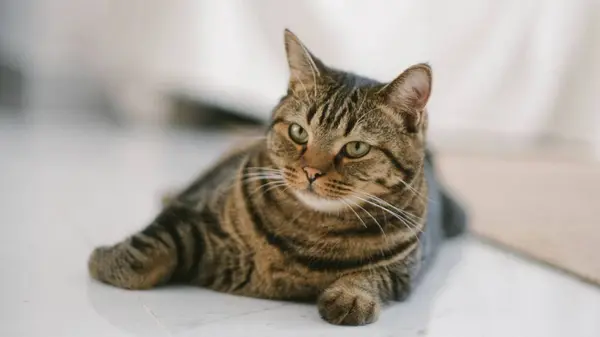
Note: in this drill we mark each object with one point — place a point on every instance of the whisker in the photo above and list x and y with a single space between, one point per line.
244 180
381 201
274 187
276 183
397 216
353 211
255 178
413 220
372 217
412 189
250 175
266 169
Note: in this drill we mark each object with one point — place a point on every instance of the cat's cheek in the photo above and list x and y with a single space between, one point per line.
377 187
279 150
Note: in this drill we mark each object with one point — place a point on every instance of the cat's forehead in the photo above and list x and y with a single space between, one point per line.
346 110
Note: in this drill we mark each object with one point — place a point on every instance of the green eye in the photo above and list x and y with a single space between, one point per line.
298 134
356 149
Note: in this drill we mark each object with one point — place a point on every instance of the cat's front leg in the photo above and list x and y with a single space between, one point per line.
356 299
170 248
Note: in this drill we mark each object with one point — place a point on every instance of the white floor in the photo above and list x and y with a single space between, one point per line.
65 190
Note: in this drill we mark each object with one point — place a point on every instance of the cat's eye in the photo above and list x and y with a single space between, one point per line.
298 134
356 149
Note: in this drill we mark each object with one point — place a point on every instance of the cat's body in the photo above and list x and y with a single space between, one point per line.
300 215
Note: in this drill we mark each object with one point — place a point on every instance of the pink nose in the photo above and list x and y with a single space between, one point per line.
312 173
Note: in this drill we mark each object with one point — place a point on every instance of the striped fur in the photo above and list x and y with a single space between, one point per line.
254 226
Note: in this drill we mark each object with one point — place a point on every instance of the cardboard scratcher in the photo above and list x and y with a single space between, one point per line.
545 209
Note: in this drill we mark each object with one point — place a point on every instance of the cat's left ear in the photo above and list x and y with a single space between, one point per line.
409 93
305 69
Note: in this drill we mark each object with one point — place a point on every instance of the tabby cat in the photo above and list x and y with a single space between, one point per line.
331 206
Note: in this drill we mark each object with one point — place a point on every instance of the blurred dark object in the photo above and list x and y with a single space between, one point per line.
190 112
12 86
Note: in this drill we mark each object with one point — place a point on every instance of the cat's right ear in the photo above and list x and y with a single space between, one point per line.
408 95
305 69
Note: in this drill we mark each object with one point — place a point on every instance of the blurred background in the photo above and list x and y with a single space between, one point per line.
515 71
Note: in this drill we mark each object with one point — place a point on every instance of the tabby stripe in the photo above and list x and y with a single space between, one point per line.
395 286
209 280
226 277
328 100
381 182
338 120
209 277
324 112
351 123
276 121
153 232
211 220
363 177
342 183
337 188
130 255
339 105
407 172
168 220
139 244
311 113
350 101
134 262
316 263
385 284
354 97
266 193
199 249
337 161
257 220
247 277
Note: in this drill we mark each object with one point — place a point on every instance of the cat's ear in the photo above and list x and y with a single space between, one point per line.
305 69
408 93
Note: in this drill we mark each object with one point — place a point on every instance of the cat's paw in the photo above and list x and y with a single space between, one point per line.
122 268
344 306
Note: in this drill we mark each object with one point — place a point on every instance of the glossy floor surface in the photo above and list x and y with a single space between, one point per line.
65 190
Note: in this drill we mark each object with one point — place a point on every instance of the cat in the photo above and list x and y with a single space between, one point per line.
338 204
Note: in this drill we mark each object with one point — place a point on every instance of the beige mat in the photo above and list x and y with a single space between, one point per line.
544 208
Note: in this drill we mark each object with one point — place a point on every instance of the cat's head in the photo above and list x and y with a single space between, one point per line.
339 138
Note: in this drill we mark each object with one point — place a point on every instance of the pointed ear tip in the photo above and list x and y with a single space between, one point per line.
289 35
424 66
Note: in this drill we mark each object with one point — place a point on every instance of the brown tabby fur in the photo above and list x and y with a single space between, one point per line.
241 228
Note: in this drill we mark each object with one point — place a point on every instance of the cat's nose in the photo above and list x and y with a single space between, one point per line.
312 173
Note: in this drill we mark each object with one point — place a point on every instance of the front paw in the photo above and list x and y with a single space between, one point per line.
343 306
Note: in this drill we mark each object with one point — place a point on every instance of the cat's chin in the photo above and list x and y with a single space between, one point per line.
318 203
